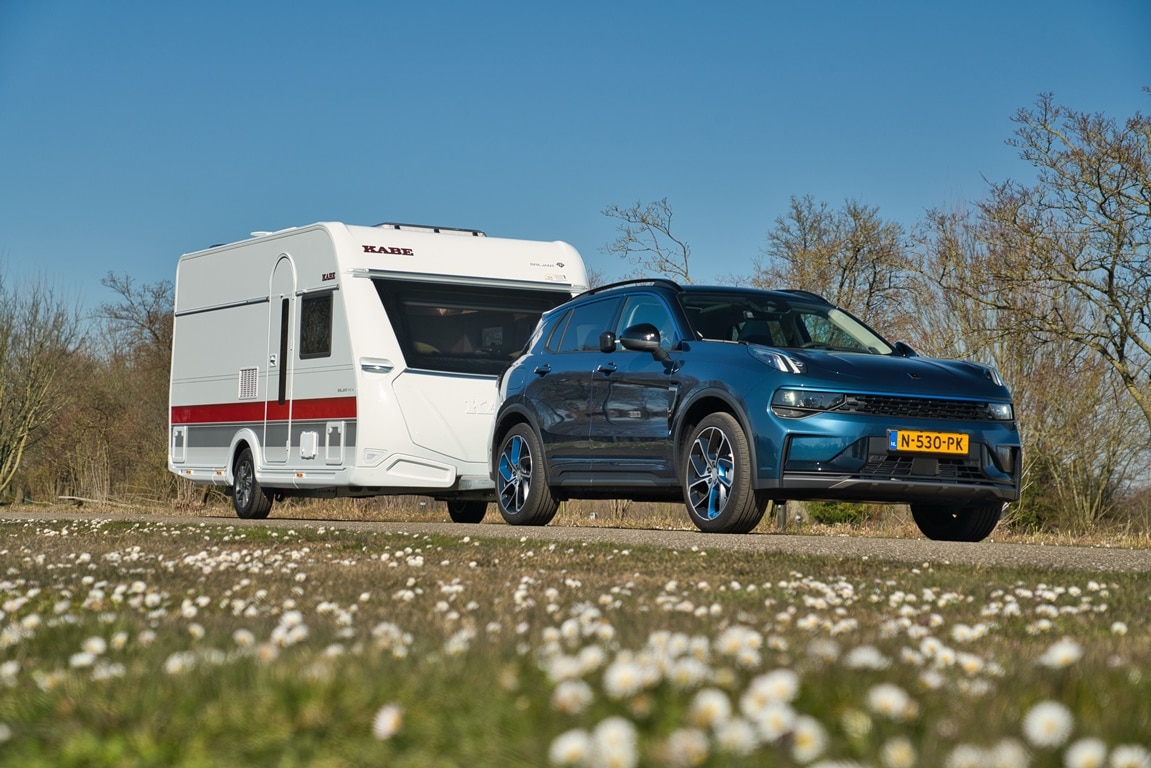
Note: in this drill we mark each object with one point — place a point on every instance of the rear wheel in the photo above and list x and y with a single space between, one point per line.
957 522
249 498
522 491
717 477
467 510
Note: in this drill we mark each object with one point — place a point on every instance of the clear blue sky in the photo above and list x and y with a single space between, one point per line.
132 132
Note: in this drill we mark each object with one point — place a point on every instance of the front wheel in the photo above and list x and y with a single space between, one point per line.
957 522
467 510
249 498
522 491
717 476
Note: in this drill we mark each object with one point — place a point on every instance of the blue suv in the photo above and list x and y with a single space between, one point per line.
731 398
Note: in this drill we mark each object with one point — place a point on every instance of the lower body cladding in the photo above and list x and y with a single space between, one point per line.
866 469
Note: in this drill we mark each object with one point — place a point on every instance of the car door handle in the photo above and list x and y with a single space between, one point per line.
542 370
606 368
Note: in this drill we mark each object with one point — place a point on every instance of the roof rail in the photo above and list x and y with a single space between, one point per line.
665 282
429 228
805 294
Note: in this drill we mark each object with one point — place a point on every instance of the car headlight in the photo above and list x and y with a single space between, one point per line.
992 373
1001 411
796 403
776 359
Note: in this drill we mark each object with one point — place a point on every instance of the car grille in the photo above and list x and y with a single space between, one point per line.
904 467
916 407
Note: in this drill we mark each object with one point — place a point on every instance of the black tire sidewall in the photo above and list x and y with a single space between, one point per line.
539 507
744 508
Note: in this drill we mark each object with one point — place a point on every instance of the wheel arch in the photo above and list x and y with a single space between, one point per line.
507 419
245 438
696 409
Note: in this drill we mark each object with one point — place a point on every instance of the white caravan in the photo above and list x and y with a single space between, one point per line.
338 360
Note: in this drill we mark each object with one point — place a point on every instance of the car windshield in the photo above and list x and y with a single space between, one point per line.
779 320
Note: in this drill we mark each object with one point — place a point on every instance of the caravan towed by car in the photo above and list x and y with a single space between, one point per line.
342 360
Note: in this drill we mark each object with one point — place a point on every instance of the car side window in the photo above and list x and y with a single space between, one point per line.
645 308
586 324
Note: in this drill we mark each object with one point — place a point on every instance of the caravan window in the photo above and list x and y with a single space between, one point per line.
462 328
316 325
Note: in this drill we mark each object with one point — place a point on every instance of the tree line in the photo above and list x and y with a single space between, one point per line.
1049 280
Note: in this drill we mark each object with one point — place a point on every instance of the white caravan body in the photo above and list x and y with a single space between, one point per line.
353 360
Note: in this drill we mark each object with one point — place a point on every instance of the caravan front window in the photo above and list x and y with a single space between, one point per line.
462 328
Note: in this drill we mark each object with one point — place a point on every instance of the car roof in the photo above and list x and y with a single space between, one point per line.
662 284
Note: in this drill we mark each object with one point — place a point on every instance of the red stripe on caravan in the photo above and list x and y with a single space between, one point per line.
229 413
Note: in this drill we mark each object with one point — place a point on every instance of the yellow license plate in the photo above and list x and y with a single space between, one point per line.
914 441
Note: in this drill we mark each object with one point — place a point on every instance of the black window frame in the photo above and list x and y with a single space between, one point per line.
316 318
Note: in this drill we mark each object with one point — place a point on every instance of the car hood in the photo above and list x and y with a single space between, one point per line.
909 375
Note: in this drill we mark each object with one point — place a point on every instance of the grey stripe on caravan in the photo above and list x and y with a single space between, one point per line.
254 300
229 305
220 436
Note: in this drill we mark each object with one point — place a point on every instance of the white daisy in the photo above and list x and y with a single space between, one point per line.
572 697
1062 654
1048 724
710 708
573 747
808 739
1130 756
615 743
387 721
898 753
1086 753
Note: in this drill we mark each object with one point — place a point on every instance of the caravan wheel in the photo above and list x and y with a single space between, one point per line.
251 501
467 510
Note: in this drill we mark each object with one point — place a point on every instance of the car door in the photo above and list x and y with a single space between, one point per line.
558 391
631 399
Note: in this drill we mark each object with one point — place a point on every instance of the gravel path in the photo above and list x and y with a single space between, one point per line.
911 551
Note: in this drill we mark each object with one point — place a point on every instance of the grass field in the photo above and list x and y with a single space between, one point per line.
161 644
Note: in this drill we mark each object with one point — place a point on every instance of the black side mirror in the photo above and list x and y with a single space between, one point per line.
607 342
643 337
905 350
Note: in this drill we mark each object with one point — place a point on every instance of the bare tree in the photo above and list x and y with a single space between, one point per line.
1070 254
646 241
39 338
141 318
851 256
1079 451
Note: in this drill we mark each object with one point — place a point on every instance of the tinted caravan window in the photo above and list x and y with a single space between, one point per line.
460 328
316 325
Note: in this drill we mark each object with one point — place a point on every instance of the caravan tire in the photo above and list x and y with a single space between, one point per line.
251 501
467 510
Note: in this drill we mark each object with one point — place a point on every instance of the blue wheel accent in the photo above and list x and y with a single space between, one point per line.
711 466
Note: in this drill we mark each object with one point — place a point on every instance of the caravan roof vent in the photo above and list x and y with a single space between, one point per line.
437 230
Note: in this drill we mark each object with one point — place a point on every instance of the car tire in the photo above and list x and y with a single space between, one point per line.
249 498
467 510
717 477
957 522
522 491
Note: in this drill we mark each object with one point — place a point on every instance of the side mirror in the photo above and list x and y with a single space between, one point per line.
607 342
643 337
905 350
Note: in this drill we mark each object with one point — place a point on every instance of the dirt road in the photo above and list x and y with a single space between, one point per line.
914 552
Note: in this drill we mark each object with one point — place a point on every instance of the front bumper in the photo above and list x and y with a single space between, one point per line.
862 468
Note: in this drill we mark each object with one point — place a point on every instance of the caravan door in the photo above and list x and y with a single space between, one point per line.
278 400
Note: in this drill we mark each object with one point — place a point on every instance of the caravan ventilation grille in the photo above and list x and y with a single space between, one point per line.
249 383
